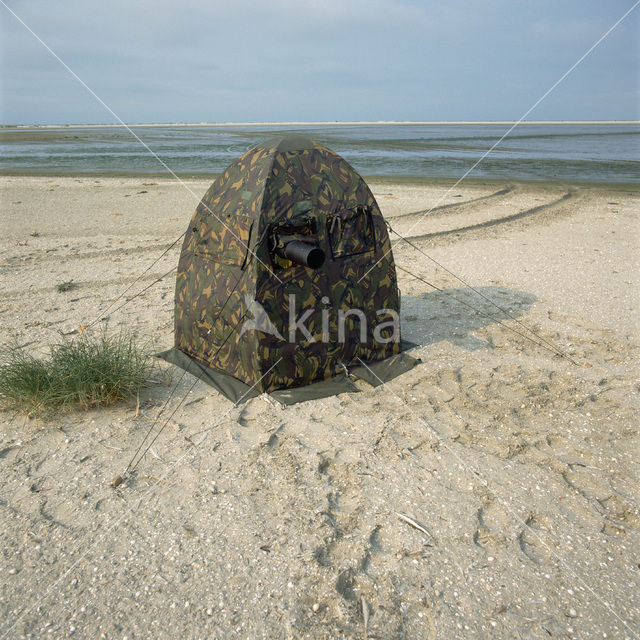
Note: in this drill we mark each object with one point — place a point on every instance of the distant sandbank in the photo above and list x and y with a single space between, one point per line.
320 123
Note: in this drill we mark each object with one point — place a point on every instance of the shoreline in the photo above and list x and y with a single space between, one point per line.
319 123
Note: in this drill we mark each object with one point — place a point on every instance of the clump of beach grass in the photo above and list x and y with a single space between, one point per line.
66 286
80 372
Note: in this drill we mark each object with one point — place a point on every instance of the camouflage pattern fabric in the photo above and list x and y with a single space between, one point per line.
286 188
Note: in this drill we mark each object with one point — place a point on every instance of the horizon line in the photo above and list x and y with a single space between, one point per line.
313 123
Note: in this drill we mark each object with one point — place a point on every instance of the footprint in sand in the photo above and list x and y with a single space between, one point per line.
585 484
620 512
533 539
556 441
605 502
493 525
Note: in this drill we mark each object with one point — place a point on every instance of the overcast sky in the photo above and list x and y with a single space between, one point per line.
236 60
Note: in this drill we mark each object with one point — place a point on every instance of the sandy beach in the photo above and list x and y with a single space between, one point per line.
491 492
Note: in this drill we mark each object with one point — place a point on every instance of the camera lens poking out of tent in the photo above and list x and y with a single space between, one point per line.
305 254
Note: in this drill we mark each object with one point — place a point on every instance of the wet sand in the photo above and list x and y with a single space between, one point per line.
519 468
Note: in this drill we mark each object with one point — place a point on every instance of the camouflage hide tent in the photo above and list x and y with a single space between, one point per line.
286 282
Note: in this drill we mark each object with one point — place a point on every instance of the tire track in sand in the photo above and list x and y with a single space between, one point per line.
52 255
526 213
81 286
455 207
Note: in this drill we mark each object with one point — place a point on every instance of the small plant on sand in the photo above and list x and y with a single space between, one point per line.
83 372
66 286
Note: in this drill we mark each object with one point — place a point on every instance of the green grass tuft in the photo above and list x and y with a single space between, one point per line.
66 286
80 373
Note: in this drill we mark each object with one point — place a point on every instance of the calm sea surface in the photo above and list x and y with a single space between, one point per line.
561 152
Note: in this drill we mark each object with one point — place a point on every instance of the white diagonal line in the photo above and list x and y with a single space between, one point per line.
130 509
133 133
504 503
513 126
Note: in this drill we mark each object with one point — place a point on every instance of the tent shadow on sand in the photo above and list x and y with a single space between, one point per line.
444 315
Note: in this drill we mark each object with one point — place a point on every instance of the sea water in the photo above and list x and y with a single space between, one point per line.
581 153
